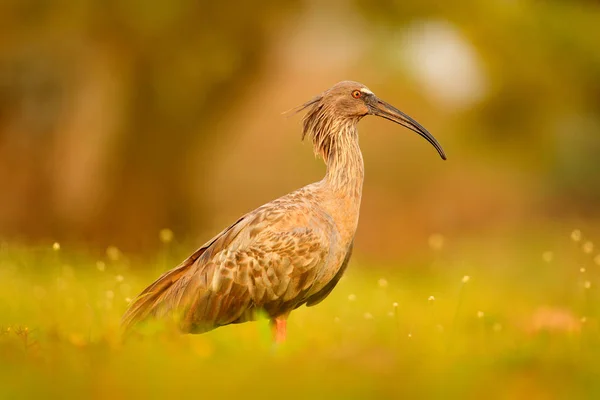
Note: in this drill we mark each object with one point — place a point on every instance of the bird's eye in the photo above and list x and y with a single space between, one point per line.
356 94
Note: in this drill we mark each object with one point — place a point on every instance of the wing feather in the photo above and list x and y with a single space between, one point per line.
262 261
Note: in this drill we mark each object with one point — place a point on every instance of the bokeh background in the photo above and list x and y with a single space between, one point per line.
119 119
133 131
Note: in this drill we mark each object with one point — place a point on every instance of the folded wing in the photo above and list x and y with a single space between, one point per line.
255 264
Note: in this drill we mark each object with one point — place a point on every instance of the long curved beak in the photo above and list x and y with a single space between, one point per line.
387 111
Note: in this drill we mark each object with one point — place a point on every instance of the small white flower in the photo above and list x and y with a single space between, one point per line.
56 246
548 256
165 235
113 253
466 279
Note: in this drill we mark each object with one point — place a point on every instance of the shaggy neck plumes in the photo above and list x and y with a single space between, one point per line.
336 141
345 168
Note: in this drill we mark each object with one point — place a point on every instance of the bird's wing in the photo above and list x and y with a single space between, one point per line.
264 261
321 294
145 303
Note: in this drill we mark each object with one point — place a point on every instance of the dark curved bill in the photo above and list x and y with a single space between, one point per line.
385 110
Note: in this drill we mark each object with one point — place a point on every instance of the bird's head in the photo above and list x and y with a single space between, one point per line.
348 102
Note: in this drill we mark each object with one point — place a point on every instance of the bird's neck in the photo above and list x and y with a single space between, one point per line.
345 167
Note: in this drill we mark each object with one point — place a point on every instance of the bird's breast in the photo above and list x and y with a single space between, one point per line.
343 214
344 210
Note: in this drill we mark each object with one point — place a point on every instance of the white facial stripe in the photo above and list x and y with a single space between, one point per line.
366 91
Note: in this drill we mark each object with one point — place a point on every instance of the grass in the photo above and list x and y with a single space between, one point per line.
516 319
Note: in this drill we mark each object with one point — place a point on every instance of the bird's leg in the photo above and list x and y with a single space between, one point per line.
279 325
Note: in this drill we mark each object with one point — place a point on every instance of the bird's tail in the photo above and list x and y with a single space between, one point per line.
149 301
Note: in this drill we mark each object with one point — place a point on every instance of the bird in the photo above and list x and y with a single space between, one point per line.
286 253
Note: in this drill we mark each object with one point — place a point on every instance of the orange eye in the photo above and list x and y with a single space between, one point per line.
356 94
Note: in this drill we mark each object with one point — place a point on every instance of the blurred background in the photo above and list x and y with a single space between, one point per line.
133 131
119 119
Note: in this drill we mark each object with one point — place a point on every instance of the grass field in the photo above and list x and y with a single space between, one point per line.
502 318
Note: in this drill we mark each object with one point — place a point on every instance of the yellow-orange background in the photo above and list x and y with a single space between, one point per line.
118 119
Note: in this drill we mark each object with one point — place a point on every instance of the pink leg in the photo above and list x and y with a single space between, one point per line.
279 325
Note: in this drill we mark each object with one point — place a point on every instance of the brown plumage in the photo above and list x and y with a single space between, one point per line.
286 253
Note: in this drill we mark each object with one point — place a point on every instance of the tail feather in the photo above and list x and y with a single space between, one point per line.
147 302
183 289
